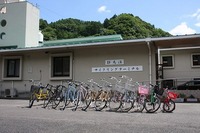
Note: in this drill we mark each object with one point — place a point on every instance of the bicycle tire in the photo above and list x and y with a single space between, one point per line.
169 106
114 102
48 100
87 101
126 106
99 103
152 107
139 103
57 97
126 102
77 100
32 99
65 100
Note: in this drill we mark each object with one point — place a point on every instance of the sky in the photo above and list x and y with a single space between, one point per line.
178 17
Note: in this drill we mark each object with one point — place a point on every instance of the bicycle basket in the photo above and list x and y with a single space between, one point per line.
119 88
94 87
35 88
172 95
108 87
143 90
129 87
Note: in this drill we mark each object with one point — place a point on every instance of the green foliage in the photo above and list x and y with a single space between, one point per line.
129 26
182 95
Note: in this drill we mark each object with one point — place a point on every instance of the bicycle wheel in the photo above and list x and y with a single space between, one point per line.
139 103
127 102
77 100
114 102
57 96
87 101
152 106
64 102
100 102
169 106
32 99
48 100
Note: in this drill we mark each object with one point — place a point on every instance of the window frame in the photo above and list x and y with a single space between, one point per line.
172 56
192 61
51 73
5 68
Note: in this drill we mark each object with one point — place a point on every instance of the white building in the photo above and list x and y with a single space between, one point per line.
19 24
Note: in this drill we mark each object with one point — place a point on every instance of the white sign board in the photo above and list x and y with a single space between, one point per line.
114 62
117 69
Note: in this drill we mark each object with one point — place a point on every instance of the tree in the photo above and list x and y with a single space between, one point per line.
43 24
49 34
128 25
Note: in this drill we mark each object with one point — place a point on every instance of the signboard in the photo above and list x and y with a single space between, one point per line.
114 62
117 69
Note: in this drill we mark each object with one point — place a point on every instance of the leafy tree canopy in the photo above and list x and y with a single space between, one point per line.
128 25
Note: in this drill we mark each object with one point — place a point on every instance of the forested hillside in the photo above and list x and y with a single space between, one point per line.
128 25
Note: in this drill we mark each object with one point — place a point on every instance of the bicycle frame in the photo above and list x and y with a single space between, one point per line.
41 95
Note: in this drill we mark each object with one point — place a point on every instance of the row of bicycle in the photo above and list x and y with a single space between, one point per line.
121 95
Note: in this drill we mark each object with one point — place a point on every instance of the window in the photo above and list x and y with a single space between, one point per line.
12 68
195 60
168 83
168 61
61 66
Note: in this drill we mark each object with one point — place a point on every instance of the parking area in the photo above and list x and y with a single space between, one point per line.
15 117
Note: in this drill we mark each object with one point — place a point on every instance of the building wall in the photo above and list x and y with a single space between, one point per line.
36 65
32 26
182 64
23 29
136 55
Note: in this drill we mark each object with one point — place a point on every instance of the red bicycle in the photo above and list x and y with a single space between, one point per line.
168 101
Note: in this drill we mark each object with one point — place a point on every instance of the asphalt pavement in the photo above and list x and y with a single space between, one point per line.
15 117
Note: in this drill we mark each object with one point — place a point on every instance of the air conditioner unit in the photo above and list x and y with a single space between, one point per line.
11 92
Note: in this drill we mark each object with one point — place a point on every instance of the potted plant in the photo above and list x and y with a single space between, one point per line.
181 98
191 98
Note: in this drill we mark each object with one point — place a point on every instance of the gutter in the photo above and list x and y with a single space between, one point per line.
150 61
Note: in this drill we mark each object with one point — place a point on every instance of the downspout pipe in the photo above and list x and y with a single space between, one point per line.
159 60
150 61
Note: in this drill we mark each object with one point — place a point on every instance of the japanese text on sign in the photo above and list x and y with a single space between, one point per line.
117 69
114 62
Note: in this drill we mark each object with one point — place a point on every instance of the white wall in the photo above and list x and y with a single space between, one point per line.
22 24
182 64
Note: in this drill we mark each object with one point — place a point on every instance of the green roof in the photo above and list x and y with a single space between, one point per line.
8 47
84 40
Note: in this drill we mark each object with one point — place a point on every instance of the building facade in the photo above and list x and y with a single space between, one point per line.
144 60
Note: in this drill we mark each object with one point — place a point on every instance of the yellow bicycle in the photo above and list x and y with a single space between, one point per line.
38 92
